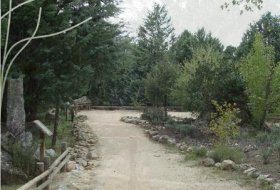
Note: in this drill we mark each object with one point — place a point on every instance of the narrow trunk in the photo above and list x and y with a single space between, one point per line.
56 120
267 94
165 106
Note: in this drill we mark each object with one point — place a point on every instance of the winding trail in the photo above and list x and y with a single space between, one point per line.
130 161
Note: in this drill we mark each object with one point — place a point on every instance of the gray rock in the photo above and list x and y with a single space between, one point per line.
82 162
152 133
250 170
15 107
276 186
26 140
7 140
71 165
244 166
51 153
190 149
218 165
92 155
171 141
155 137
163 139
249 148
208 162
227 165
263 177
5 157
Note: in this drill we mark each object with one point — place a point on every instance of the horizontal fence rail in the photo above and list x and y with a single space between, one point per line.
44 180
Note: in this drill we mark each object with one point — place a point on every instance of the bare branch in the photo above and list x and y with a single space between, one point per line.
16 7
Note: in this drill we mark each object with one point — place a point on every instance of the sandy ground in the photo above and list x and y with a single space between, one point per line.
130 161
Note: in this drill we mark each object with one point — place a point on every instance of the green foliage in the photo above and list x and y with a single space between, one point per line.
23 158
154 39
198 152
224 123
159 83
155 116
269 27
184 129
223 152
261 75
271 144
200 82
186 44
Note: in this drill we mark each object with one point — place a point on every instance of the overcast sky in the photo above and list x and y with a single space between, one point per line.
194 14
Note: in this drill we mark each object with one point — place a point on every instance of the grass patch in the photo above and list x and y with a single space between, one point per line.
198 152
9 187
222 152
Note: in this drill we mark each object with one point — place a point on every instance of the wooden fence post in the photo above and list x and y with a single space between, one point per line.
47 162
63 148
40 169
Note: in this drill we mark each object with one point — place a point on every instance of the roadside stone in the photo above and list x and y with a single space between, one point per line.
51 153
155 137
152 133
218 165
171 141
163 139
244 167
250 170
92 155
208 162
263 177
71 165
227 165
82 162
249 148
190 149
276 186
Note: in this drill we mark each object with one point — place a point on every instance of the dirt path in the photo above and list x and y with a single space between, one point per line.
130 161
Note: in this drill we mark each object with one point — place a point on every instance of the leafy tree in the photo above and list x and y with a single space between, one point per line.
246 5
187 43
269 27
159 84
262 77
208 76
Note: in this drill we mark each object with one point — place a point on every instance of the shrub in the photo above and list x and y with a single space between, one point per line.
224 123
155 116
23 158
271 143
200 151
221 153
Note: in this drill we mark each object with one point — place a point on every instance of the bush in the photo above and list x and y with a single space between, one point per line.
154 116
271 143
23 158
200 151
221 153
225 122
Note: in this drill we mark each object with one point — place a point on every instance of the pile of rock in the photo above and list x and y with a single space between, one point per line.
136 121
245 168
84 154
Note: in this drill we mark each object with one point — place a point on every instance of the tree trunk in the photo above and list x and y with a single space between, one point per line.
165 106
267 94
56 121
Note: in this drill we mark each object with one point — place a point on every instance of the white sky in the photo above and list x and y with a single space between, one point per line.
229 27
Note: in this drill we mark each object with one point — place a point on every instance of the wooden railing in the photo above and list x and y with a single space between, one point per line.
274 118
44 180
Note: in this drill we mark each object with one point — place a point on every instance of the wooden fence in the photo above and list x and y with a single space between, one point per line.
48 171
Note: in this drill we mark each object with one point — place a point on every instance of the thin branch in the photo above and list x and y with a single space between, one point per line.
16 7
46 36
22 48
7 33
